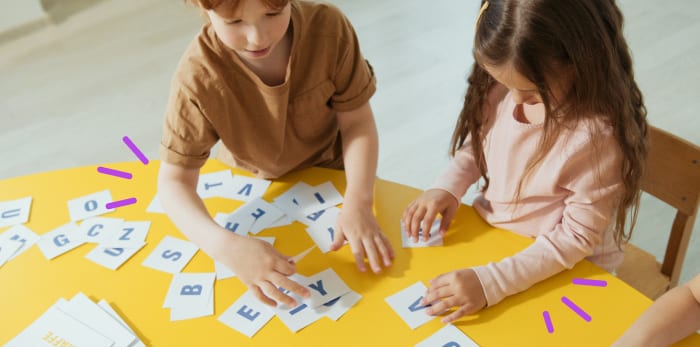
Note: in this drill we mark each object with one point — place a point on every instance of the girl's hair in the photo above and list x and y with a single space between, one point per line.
211 4
584 36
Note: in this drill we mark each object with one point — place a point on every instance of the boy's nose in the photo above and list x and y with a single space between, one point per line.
256 38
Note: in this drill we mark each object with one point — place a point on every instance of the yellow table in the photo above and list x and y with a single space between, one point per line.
30 283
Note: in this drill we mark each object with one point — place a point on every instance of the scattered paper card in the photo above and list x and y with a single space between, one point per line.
114 257
407 305
213 184
60 240
337 307
100 229
245 188
191 295
247 315
132 235
434 240
155 206
22 235
89 206
171 255
450 335
15 212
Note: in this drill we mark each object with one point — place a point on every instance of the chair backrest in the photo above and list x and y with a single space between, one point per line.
673 175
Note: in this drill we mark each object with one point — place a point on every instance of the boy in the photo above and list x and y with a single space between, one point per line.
284 86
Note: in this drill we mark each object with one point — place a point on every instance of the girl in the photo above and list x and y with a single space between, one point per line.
278 82
554 123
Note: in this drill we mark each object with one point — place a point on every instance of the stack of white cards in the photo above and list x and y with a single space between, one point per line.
330 297
78 322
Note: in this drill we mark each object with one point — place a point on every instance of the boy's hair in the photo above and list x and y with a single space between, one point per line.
211 4
585 36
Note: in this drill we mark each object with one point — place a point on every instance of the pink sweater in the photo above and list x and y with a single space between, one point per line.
568 204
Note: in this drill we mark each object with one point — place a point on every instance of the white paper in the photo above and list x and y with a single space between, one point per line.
89 206
15 212
320 197
406 304
247 315
60 240
434 240
54 327
155 206
7 249
112 257
22 235
132 234
234 223
336 308
448 336
85 310
325 286
171 255
100 229
245 188
213 184
191 295
108 308
265 214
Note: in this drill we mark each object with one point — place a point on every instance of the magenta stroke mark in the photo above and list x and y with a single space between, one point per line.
587 282
135 149
576 309
548 321
120 203
113 172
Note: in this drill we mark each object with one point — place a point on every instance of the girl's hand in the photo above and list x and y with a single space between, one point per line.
358 225
423 210
461 289
263 269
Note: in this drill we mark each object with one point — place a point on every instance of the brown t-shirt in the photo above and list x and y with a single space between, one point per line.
268 130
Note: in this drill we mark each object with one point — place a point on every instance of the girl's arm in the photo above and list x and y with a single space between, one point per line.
261 268
672 317
356 222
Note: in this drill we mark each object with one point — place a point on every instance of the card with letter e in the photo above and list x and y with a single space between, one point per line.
15 212
247 315
89 206
407 305
449 336
171 255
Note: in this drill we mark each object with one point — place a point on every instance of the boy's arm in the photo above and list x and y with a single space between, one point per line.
259 266
672 317
356 222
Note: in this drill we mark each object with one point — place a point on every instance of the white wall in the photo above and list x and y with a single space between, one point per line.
19 12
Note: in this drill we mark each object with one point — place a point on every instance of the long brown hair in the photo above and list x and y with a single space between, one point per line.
585 35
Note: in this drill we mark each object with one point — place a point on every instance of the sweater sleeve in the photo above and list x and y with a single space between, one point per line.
461 173
590 206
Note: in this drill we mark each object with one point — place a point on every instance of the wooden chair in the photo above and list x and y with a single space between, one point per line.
673 176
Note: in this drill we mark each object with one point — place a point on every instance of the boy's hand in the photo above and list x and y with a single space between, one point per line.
359 226
423 210
262 269
461 289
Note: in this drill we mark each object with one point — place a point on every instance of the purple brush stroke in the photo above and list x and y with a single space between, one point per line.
120 203
575 308
587 282
112 172
548 321
135 149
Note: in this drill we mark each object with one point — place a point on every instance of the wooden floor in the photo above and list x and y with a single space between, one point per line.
101 70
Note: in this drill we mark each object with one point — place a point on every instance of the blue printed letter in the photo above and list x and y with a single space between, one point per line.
318 287
247 314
